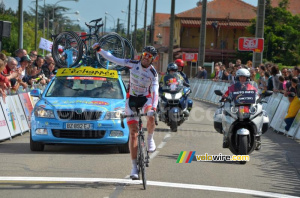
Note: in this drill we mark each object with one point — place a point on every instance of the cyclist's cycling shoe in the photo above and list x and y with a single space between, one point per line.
151 145
134 173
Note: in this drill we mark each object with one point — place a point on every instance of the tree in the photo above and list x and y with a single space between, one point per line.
281 33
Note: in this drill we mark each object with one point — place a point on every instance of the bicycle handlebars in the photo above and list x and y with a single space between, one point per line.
123 116
96 20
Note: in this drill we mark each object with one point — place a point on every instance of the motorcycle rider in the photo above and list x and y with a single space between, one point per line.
142 92
243 76
180 64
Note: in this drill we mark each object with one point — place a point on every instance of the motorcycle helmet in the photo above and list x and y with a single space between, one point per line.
243 72
172 67
179 62
151 50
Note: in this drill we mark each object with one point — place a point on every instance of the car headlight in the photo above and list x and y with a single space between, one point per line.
43 113
178 96
112 115
168 96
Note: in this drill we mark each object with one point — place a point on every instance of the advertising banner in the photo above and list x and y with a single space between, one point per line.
20 113
4 131
27 105
10 115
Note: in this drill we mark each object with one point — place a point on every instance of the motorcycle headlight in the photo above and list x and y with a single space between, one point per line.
112 115
43 113
178 96
168 96
234 109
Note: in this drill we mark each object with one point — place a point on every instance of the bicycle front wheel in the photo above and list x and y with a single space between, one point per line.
141 159
113 43
67 49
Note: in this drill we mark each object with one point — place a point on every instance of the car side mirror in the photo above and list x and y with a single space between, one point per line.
36 93
218 92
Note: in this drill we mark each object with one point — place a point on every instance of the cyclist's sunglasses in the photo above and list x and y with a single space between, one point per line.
147 55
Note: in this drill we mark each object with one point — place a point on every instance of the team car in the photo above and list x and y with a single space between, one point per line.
80 106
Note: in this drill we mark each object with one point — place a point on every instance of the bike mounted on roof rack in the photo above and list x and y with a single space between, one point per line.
72 50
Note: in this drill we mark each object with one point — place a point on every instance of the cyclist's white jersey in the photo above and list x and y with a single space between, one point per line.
142 82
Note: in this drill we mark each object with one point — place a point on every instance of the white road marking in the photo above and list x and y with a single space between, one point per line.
161 145
151 183
153 155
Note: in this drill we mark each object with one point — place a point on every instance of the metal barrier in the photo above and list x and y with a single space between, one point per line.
276 106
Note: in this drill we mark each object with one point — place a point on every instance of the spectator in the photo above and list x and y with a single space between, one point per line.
10 70
217 69
249 64
48 71
19 54
296 72
269 82
203 74
33 55
198 75
292 90
294 106
284 72
275 77
238 62
252 75
282 85
48 60
263 81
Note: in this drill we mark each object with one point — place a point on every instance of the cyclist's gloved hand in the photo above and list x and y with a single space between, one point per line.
150 113
96 47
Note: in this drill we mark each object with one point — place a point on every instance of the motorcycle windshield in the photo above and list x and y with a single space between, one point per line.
244 93
172 83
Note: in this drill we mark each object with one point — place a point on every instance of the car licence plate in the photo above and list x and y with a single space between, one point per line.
78 126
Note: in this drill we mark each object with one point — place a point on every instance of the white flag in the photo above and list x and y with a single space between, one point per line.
45 44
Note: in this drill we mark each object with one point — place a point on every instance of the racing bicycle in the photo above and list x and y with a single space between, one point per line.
142 152
72 50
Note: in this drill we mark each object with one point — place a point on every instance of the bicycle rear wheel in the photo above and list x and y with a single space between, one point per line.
141 159
68 42
113 43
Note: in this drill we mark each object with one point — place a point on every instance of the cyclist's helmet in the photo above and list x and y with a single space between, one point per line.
179 62
172 67
150 49
243 72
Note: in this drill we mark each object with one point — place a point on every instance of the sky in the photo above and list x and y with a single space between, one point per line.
94 9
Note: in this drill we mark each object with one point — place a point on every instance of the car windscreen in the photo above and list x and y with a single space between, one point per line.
93 87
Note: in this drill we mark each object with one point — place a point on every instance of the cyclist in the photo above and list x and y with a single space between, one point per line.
142 92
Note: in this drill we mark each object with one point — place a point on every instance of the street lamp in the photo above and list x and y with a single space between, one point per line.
54 9
112 18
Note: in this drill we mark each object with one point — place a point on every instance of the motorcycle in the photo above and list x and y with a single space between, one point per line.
241 118
174 105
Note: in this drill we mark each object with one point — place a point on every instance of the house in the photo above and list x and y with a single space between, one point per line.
226 22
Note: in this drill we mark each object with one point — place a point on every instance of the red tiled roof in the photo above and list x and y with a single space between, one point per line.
197 23
293 6
234 9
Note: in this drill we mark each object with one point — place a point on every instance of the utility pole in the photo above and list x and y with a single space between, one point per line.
259 32
36 25
128 24
145 24
153 23
118 25
172 31
201 53
135 24
21 24
105 24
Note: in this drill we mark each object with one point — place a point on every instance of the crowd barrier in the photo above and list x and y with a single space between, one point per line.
15 113
276 106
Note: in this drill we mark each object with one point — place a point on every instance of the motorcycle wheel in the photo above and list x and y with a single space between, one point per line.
243 146
173 126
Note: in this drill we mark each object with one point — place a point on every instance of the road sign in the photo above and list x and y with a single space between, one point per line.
251 44
193 57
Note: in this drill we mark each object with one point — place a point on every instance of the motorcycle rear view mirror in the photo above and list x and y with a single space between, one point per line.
268 93
218 92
